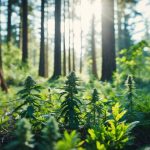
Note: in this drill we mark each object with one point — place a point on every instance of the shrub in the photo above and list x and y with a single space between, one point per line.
70 142
23 137
70 106
131 60
30 97
50 135
96 109
130 92
114 134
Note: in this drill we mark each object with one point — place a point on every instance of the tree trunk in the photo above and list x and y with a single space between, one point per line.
120 16
24 31
94 65
57 50
47 46
126 32
3 83
108 40
42 44
64 43
0 40
81 52
20 29
73 49
69 54
81 34
9 7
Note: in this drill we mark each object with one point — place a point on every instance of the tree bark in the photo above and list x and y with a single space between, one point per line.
81 34
0 40
73 48
64 41
25 31
108 40
3 83
121 14
47 46
9 7
20 29
69 53
42 43
57 49
94 64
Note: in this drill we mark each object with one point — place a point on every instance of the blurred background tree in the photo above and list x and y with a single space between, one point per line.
56 37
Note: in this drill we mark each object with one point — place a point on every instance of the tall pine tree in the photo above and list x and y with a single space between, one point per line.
57 49
25 31
42 70
93 47
9 10
108 40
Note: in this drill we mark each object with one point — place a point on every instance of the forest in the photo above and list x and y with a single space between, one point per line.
74 75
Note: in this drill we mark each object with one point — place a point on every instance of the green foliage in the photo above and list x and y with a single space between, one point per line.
14 53
131 60
130 91
93 140
96 108
70 142
142 102
70 106
30 97
114 134
106 125
95 98
13 68
23 137
50 135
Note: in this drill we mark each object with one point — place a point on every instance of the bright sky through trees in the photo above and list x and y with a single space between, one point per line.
85 10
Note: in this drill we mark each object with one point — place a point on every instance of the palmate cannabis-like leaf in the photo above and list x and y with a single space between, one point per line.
96 109
23 137
130 91
71 83
95 96
30 97
94 99
29 85
70 106
50 135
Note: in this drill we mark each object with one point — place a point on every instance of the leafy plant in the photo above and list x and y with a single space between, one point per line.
50 135
70 142
96 109
131 60
23 137
114 134
70 106
142 103
93 140
30 97
14 69
130 91
95 98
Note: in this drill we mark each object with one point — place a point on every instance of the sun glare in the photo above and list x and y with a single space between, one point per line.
85 10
